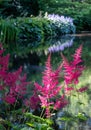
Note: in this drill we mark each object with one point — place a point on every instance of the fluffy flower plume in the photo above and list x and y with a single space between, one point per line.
51 88
12 84
73 70
82 89
60 103
48 96
77 56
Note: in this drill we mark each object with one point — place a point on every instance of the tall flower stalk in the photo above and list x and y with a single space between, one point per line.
49 92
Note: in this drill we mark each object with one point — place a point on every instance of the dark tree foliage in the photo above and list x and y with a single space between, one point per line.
30 6
18 8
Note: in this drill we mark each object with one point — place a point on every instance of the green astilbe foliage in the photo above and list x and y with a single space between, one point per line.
37 122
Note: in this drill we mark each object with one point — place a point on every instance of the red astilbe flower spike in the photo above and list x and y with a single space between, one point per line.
68 89
73 70
68 70
10 99
60 103
50 77
50 88
50 80
34 101
12 84
77 56
37 87
83 89
47 74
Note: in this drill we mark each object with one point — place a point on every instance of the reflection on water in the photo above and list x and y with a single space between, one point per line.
66 44
61 44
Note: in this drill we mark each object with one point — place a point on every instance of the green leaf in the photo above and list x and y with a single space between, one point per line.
50 122
30 124
80 103
81 116
30 115
26 128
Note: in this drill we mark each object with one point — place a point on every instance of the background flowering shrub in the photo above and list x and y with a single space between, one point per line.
64 25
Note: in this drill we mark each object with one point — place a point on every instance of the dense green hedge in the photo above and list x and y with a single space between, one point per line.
24 30
80 11
20 35
31 29
18 8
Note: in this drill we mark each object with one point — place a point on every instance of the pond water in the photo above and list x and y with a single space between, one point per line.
34 64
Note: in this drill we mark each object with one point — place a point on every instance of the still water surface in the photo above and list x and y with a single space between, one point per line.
35 63
65 44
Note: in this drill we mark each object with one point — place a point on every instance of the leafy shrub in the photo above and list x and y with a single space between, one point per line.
8 31
83 21
24 29
19 33
30 29
75 10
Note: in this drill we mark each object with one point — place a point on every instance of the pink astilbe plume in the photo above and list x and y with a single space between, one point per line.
73 70
47 74
34 101
60 103
77 56
12 84
16 84
82 89
51 88
50 80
